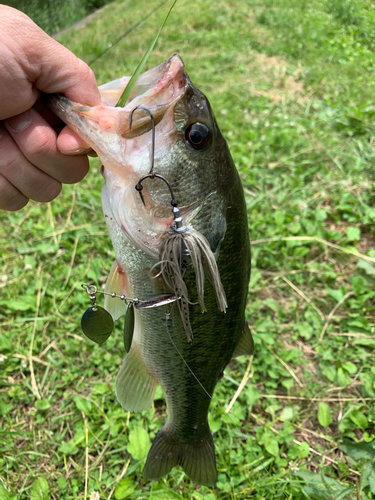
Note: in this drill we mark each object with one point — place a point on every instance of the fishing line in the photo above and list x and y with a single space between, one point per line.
132 28
167 314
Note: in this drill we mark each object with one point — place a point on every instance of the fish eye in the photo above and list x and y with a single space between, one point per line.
198 136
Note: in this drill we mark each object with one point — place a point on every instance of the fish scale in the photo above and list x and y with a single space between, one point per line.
207 187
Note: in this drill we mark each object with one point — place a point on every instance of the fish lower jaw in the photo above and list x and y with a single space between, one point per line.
127 216
124 173
142 239
149 245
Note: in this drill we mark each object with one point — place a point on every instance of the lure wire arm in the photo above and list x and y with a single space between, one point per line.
92 290
147 303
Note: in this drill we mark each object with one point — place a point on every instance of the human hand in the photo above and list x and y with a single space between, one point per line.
36 157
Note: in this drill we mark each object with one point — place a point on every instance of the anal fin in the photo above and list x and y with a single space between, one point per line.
245 346
197 459
135 387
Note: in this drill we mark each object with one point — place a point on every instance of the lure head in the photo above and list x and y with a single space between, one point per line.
190 152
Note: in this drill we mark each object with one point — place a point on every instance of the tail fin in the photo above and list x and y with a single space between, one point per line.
197 459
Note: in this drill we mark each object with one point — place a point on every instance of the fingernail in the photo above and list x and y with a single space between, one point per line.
74 151
20 122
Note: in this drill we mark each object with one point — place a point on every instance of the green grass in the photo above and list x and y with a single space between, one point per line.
55 15
292 85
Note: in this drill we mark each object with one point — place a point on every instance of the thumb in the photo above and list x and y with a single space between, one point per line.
38 62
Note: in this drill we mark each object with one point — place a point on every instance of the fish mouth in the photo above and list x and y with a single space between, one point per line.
156 90
169 69
124 149
158 78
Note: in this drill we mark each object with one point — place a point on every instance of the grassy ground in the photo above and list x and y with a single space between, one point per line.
54 15
292 85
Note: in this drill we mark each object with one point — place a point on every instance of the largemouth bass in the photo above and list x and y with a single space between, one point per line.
180 348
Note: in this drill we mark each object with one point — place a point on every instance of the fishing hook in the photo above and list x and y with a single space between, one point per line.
153 134
177 219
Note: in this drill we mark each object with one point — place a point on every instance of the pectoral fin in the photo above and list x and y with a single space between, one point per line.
116 283
245 346
135 387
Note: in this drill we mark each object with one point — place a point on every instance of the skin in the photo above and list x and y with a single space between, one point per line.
37 153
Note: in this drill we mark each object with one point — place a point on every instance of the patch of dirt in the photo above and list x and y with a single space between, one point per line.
366 243
284 83
262 34
273 70
270 62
